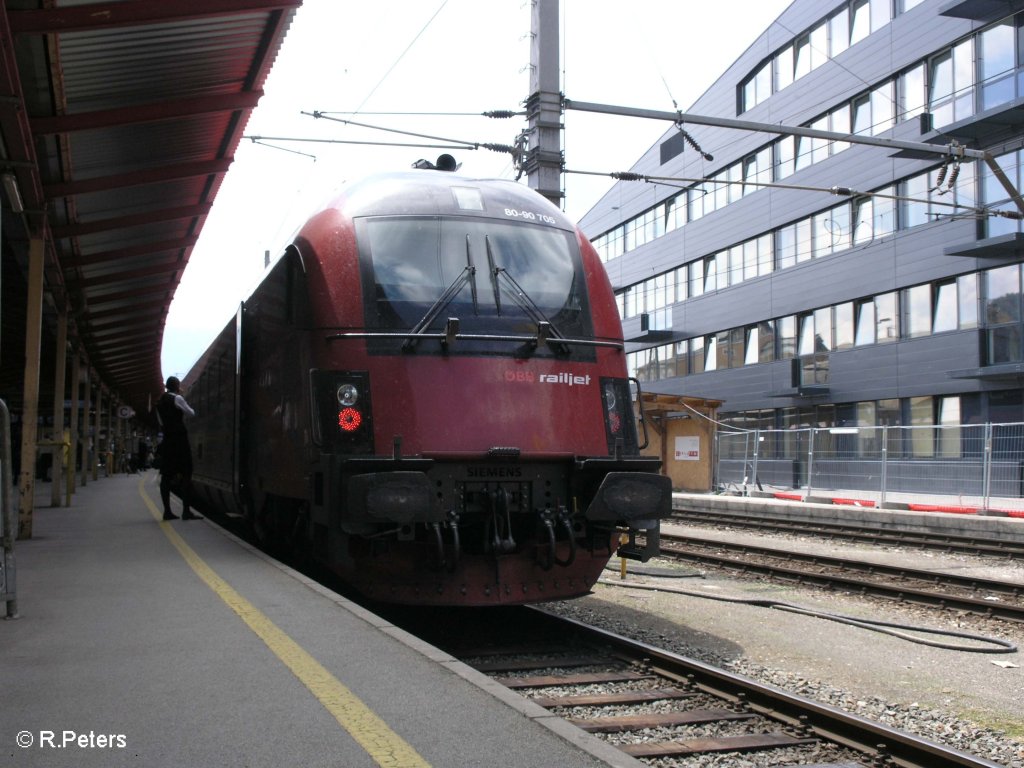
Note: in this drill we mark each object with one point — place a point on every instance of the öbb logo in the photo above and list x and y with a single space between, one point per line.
528 377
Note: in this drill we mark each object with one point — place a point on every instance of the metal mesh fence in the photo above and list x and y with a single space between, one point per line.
970 465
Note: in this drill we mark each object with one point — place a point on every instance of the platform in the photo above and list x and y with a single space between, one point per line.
922 514
150 643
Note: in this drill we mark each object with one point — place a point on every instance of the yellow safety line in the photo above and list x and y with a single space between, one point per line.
385 746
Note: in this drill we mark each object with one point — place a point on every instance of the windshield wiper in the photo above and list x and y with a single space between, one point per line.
547 332
494 273
467 275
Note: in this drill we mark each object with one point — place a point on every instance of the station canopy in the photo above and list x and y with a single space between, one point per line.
118 122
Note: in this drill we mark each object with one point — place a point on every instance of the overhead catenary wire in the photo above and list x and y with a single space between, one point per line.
451 143
834 190
500 114
404 52
256 139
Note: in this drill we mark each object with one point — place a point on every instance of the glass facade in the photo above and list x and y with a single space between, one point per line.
975 303
983 71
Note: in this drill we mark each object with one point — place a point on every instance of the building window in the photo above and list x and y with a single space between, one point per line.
785 246
697 355
839 122
951 95
814 344
967 300
863 220
949 421
997 64
996 197
735 351
838 32
884 212
1003 315
917 309
831 231
785 157
786 327
922 415
843 325
682 358
912 93
860 21
711 353
804 241
881 14
695 202
766 342
807 343
866 326
945 314
887 324
883 108
1002 295
758 87
696 277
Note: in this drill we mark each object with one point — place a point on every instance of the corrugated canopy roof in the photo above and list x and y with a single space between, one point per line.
118 121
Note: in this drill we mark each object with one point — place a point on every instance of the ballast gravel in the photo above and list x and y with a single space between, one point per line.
970 701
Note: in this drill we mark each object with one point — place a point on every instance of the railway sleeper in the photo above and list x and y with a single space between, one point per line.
612 699
747 743
657 720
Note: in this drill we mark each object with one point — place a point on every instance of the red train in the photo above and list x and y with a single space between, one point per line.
427 393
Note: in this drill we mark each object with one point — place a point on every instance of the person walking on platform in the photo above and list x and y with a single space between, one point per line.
175 451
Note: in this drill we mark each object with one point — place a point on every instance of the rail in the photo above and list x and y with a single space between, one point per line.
961 467
8 582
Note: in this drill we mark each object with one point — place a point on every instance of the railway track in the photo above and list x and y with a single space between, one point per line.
986 597
971 545
653 704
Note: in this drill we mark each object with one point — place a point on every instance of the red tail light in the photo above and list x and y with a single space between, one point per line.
349 419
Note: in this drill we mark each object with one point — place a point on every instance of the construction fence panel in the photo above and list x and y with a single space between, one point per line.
980 465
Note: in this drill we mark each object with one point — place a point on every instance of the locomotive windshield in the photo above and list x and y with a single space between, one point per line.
498 278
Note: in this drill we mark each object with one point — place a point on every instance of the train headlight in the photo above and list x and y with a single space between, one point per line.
348 395
609 396
618 417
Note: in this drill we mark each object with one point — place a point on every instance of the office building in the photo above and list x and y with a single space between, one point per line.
814 282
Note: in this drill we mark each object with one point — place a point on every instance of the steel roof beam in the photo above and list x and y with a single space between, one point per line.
144 113
116 326
136 178
134 310
132 220
139 12
131 342
135 293
133 252
120 277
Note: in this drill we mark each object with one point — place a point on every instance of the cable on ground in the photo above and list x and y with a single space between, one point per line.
885 627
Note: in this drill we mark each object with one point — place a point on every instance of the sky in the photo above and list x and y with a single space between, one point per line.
432 67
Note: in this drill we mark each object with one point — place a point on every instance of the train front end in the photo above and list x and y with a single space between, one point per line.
477 438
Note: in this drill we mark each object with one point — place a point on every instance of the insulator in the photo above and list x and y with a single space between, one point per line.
693 143
952 176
